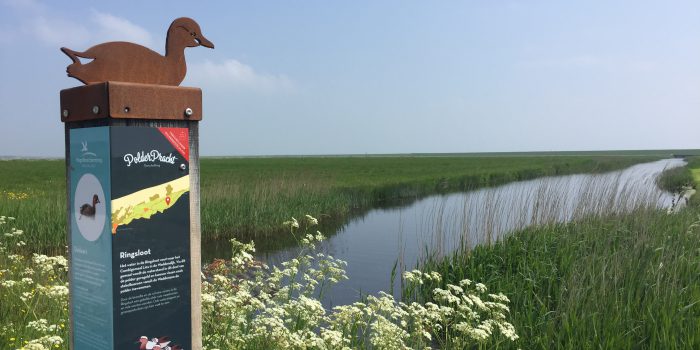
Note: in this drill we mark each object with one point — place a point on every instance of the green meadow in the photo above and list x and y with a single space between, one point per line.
609 281
247 198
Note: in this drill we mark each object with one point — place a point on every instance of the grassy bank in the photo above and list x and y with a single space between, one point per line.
620 282
694 168
678 179
247 197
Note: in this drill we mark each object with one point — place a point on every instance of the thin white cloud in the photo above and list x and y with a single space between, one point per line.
58 32
582 61
232 73
642 66
25 5
113 28
588 61
54 30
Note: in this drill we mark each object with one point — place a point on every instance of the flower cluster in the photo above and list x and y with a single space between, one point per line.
280 307
459 316
15 195
34 294
248 305
269 307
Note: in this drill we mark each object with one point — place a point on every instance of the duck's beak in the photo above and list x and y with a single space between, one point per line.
204 42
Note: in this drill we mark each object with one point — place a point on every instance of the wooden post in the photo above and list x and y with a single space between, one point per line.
132 155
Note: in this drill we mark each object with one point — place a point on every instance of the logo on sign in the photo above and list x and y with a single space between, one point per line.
154 156
87 156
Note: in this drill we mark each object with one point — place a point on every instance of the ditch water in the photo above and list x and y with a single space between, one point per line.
440 224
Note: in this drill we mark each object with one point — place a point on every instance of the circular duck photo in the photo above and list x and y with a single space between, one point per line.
89 207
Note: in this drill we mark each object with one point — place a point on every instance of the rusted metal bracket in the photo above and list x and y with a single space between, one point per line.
120 100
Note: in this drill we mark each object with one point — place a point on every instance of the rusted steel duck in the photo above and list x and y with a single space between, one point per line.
89 210
128 62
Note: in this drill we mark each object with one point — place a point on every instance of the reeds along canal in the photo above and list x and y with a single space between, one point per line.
373 244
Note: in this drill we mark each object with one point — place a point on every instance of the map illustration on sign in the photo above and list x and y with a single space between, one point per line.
148 202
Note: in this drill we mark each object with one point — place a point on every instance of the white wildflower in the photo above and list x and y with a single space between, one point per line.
8 283
311 220
292 223
499 297
57 291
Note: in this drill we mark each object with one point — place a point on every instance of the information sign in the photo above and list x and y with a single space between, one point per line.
130 237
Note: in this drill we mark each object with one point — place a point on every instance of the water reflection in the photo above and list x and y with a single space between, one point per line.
374 243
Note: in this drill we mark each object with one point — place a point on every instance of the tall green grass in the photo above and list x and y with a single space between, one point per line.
675 180
246 198
616 282
611 279
35 190
694 167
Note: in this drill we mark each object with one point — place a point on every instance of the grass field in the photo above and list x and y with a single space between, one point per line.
247 198
694 167
626 281
696 175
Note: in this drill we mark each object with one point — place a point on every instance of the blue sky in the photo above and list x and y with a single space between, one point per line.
320 77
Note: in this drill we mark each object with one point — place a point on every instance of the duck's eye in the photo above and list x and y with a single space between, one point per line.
193 34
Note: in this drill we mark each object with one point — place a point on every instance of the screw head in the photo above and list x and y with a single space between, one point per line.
95 109
188 112
183 166
65 113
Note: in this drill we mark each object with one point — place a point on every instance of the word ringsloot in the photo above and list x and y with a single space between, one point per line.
132 255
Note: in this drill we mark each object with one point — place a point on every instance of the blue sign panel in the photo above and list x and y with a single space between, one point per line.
91 238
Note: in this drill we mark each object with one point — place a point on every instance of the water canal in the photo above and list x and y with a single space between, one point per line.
374 243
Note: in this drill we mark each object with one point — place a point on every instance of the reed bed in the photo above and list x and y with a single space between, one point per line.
675 180
462 221
622 274
246 198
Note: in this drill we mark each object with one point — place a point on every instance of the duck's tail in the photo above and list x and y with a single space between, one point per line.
72 54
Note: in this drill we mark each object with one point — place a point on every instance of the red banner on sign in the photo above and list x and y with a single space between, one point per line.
179 138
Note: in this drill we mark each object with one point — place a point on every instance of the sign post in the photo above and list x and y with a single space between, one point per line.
132 164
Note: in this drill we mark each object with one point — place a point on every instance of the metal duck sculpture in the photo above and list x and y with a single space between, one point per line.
128 62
